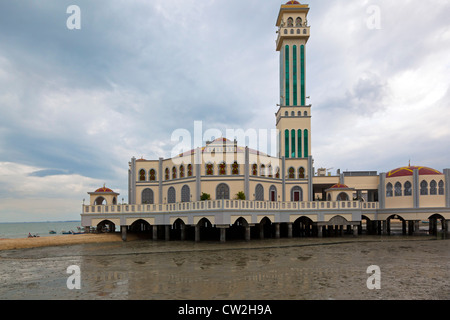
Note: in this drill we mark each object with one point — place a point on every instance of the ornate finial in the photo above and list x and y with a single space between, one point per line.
409 164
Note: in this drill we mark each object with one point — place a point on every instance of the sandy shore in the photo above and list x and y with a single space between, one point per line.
23 243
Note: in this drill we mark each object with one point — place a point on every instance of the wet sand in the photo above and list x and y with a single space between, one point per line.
272 269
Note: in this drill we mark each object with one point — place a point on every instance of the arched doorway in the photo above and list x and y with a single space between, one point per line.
178 231
205 230
396 225
266 228
100 201
239 230
106 226
303 227
342 197
141 227
368 226
436 224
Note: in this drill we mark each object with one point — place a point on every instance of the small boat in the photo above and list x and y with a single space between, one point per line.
52 232
66 232
32 235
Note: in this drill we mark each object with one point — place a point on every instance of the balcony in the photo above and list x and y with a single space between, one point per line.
229 205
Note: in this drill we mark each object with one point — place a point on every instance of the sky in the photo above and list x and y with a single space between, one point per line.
77 104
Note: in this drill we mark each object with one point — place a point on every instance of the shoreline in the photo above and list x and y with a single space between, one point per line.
64 240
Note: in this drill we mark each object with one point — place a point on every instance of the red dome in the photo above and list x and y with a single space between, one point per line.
104 190
408 171
292 2
339 186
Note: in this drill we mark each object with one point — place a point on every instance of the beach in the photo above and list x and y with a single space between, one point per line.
60 240
412 267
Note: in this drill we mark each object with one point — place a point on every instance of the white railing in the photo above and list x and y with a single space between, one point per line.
229 205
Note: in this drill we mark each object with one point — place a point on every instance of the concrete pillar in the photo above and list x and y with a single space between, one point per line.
223 234
247 233
355 230
197 233
289 225
167 232
416 230
123 229
320 231
261 231
447 227
384 232
155 233
277 231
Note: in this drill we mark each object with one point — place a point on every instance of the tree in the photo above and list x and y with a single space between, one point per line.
205 196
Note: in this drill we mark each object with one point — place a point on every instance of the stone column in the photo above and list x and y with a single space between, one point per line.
247 233
289 229
277 231
261 231
155 233
167 232
416 230
355 230
320 231
222 234
197 233
447 225
183 232
384 232
124 232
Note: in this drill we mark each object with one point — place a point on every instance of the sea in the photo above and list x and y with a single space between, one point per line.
42 229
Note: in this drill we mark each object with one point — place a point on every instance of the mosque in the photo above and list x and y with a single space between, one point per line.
225 191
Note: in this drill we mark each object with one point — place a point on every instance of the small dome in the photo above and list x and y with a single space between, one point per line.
104 190
408 171
292 2
340 186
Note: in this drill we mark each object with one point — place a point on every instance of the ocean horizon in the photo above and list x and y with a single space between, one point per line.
13 230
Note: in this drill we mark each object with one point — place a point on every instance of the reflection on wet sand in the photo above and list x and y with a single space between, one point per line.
411 268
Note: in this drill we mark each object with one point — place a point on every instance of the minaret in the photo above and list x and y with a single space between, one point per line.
293 118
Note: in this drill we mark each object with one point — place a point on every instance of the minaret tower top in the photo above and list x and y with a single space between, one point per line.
292 22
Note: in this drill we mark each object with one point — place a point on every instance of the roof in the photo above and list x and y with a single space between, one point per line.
292 2
408 171
104 190
340 186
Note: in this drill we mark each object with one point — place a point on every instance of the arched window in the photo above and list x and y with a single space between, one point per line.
262 171
147 196
305 113
294 75
301 173
290 22
342 197
291 173
299 114
298 31
296 194
286 114
254 169
166 174
302 75
277 173
292 143
441 188
286 144
304 31
298 22
171 195
142 175
433 188
181 171
306 142
209 169
270 171
223 191
189 170
389 191
100 201
299 143
235 168
408 188
174 173
292 31
398 189
424 188
287 87
185 194
285 31
222 169
259 193
152 175
273 193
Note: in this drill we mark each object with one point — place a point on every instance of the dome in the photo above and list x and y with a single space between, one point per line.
292 2
408 171
104 190
340 186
